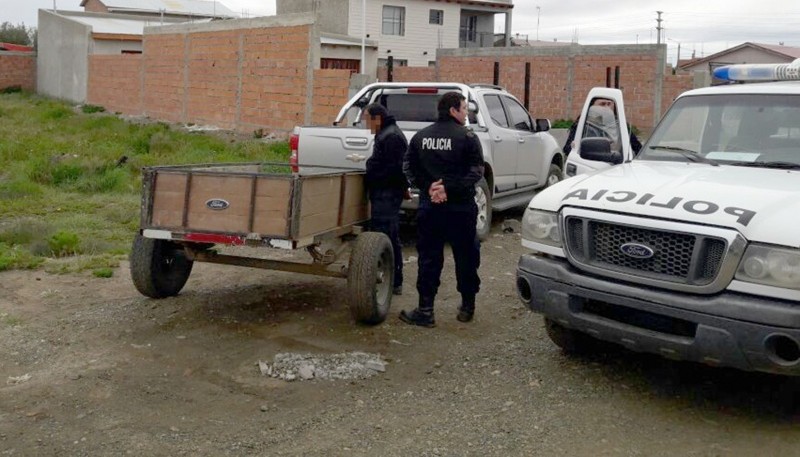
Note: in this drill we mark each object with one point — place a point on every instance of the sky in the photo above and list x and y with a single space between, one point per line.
698 27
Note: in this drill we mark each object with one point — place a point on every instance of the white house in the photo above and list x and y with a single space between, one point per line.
183 9
410 30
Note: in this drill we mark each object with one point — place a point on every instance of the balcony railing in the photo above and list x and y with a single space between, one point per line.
472 39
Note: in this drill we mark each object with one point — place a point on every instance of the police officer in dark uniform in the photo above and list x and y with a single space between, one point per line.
445 161
386 182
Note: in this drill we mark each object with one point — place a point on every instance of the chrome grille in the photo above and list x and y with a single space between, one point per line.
677 257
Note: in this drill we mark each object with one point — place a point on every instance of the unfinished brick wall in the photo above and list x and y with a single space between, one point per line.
165 75
18 69
674 85
330 94
274 78
115 82
559 83
408 74
243 79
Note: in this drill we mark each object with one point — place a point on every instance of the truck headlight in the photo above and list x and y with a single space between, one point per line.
541 227
771 266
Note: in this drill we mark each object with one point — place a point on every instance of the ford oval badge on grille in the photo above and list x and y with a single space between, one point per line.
637 251
217 204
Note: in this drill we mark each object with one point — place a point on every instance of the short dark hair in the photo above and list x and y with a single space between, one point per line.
376 109
447 101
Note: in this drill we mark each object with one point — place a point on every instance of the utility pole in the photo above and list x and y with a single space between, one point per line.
538 12
363 36
658 28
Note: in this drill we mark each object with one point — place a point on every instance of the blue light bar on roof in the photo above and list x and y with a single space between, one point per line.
760 72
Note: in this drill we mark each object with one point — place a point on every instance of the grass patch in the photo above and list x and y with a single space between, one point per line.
70 180
9 320
104 272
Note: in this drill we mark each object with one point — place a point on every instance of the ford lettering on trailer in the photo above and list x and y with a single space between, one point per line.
217 204
743 216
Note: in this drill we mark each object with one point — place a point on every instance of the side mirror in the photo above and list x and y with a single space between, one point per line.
472 107
599 149
542 125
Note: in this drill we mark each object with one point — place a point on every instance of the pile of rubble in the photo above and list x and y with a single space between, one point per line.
305 367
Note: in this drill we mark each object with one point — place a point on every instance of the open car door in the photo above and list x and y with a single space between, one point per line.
602 116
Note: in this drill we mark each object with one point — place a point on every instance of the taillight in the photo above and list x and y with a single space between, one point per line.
294 160
422 90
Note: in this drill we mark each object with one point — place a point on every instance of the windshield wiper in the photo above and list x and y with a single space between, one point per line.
774 164
693 156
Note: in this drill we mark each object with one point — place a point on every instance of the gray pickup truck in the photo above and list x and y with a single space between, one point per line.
521 156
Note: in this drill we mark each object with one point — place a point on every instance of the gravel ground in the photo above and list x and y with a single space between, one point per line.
90 367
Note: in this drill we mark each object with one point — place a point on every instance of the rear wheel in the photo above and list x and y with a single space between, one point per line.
570 341
554 175
370 278
159 268
483 198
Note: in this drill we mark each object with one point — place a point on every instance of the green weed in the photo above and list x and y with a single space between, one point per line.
89 109
70 182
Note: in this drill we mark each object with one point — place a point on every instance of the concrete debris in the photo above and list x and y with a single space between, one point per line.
18 379
305 367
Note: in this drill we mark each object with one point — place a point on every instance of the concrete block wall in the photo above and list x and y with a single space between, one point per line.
115 82
18 69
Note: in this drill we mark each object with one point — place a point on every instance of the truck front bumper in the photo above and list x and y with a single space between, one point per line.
726 329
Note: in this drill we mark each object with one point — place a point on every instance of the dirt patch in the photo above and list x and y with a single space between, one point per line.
90 367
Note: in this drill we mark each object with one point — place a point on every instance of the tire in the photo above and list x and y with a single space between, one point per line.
483 198
554 175
159 268
570 341
370 278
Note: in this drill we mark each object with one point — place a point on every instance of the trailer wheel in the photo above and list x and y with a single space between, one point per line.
570 341
483 198
159 268
370 278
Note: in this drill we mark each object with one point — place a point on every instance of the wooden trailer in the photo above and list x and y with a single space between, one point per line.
187 210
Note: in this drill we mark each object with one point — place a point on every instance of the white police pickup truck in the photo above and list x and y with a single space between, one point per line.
690 250
521 156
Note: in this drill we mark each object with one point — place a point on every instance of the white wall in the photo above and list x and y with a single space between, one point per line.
420 36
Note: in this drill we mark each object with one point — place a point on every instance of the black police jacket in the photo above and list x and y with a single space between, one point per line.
448 151
385 166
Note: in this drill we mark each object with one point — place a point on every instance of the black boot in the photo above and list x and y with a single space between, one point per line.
422 315
467 309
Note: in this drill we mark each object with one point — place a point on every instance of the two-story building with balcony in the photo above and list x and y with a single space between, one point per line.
410 31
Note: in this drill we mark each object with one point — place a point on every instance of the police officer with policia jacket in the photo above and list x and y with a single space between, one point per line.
444 161
386 183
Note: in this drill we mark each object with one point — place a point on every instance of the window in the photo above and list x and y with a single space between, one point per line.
496 112
469 28
341 64
394 20
396 62
436 17
519 117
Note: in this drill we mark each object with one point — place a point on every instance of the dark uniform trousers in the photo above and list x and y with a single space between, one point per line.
385 218
438 224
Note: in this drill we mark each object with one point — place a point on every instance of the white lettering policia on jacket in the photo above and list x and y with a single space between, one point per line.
439 144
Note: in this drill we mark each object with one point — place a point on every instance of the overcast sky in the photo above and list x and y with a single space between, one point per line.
703 27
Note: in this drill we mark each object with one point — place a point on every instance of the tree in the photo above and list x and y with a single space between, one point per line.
17 34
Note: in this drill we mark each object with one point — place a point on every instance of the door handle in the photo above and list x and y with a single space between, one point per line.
356 141
520 140
497 139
